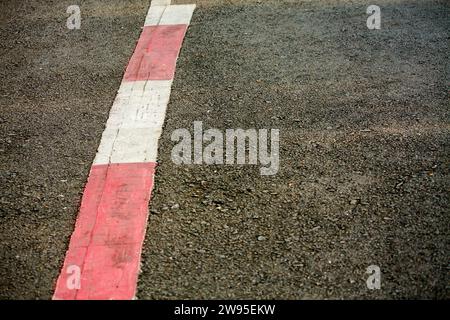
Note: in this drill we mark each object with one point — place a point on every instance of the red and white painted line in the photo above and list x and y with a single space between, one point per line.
106 245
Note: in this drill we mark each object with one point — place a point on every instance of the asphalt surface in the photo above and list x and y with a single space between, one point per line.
364 173
56 91
363 118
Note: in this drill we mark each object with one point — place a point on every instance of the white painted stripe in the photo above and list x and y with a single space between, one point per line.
140 104
137 112
135 122
154 15
177 14
128 145
137 116
171 14
143 88
130 140
160 3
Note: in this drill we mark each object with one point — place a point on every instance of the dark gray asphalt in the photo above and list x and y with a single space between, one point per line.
363 116
56 91
364 175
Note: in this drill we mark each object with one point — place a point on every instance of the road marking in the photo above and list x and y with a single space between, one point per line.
169 15
107 241
156 53
160 2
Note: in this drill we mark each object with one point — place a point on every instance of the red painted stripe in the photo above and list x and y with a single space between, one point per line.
156 53
109 232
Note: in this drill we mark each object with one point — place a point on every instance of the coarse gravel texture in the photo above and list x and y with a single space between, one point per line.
364 149
364 172
56 91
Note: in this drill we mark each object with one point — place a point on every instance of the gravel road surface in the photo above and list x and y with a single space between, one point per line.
364 147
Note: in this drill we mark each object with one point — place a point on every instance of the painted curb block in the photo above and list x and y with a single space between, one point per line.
103 258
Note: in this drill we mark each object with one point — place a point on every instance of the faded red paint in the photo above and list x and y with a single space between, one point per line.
109 232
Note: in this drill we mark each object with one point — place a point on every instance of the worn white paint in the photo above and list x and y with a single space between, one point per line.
144 88
154 15
128 145
177 14
135 122
138 112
